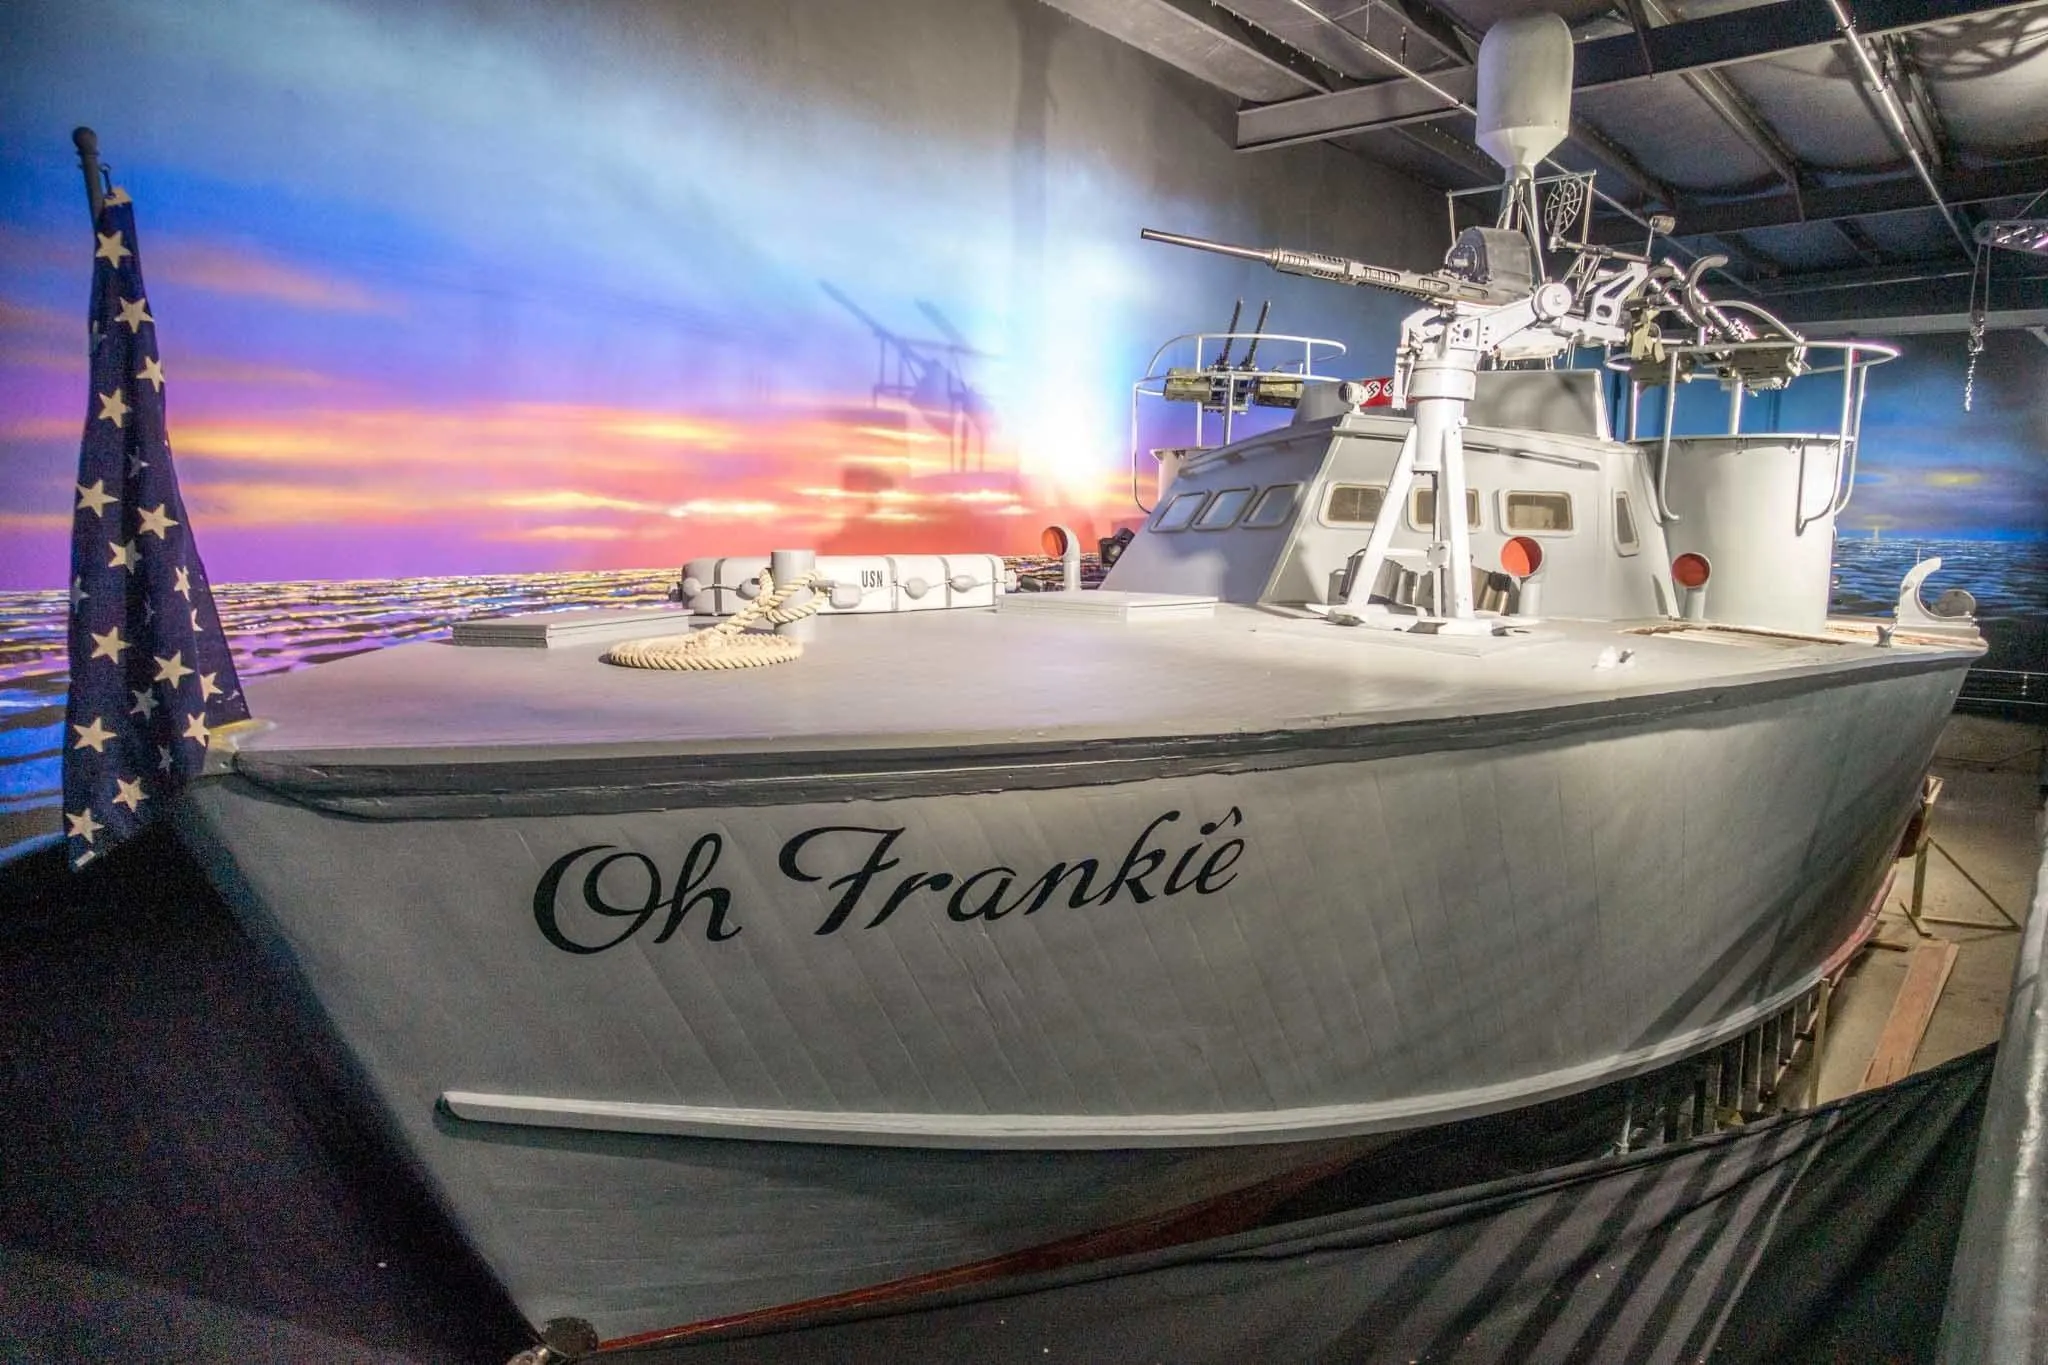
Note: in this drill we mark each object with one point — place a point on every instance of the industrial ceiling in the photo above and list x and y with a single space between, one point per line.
1845 155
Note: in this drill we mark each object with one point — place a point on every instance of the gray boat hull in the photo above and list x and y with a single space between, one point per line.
668 1064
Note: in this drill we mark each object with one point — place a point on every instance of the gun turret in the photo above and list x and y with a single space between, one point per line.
1343 270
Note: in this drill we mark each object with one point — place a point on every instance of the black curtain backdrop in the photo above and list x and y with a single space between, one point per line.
1821 1236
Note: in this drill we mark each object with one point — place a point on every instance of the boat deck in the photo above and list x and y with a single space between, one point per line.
966 678
886 704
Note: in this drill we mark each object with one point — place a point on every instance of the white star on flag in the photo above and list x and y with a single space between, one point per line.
171 670
183 584
153 371
93 736
83 826
163 758
112 249
108 646
207 686
145 703
156 522
134 312
195 728
124 555
131 794
95 498
78 592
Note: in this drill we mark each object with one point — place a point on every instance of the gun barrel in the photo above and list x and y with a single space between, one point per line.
1343 270
1203 244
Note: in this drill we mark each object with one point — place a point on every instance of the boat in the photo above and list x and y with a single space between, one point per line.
1412 762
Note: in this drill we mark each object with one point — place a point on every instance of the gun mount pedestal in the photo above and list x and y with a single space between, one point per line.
1435 377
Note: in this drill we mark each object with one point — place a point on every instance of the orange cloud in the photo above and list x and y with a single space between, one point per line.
235 268
48 323
563 533
220 370
43 428
626 485
32 359
240 503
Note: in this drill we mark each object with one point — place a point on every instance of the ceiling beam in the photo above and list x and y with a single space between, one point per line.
1734 108
1859 241
1433 25
1895 194
1768 30
1450 147
1876 276
1915 324
1924 124
1206 41
1910 298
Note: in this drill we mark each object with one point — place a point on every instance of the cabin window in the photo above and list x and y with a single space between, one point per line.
1625 539
1539 512
1353 504
1180 510
1223 511
1275 506
1422 509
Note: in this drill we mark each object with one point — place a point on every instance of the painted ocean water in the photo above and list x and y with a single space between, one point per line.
276 627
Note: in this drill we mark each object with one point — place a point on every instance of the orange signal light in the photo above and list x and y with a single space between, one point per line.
1521 557
1691 570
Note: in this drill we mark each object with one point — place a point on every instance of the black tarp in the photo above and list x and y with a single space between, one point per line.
1820 1236
179 1180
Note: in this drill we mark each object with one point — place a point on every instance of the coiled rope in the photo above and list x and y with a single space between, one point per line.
731 643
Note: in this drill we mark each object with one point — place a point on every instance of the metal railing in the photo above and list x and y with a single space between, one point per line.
2012 689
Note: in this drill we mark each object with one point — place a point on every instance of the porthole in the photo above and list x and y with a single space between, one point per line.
1422 509
1540 513
1353 504
1625 538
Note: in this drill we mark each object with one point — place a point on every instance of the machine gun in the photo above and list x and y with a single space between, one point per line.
1226 386
1482 245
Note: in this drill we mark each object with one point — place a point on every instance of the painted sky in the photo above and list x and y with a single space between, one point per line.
1932 469
498 287
504 285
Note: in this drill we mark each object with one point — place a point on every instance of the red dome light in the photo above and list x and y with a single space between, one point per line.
1690 570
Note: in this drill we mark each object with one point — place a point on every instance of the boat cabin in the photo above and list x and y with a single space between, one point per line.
1558 511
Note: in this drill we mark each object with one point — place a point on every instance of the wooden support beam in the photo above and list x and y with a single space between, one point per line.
1926 975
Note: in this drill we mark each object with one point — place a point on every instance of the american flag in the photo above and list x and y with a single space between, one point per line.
151 676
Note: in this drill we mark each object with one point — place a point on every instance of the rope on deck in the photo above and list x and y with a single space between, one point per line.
731 643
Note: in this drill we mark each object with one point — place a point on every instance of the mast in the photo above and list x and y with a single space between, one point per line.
88 144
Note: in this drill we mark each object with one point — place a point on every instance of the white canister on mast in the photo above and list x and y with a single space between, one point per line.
1525 90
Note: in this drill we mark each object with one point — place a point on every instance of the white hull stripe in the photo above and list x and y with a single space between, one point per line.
1093 1131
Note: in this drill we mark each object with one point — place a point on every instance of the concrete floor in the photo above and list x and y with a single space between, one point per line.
1990 818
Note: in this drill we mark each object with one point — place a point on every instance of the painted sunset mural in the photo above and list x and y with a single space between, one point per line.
577 290
557 288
